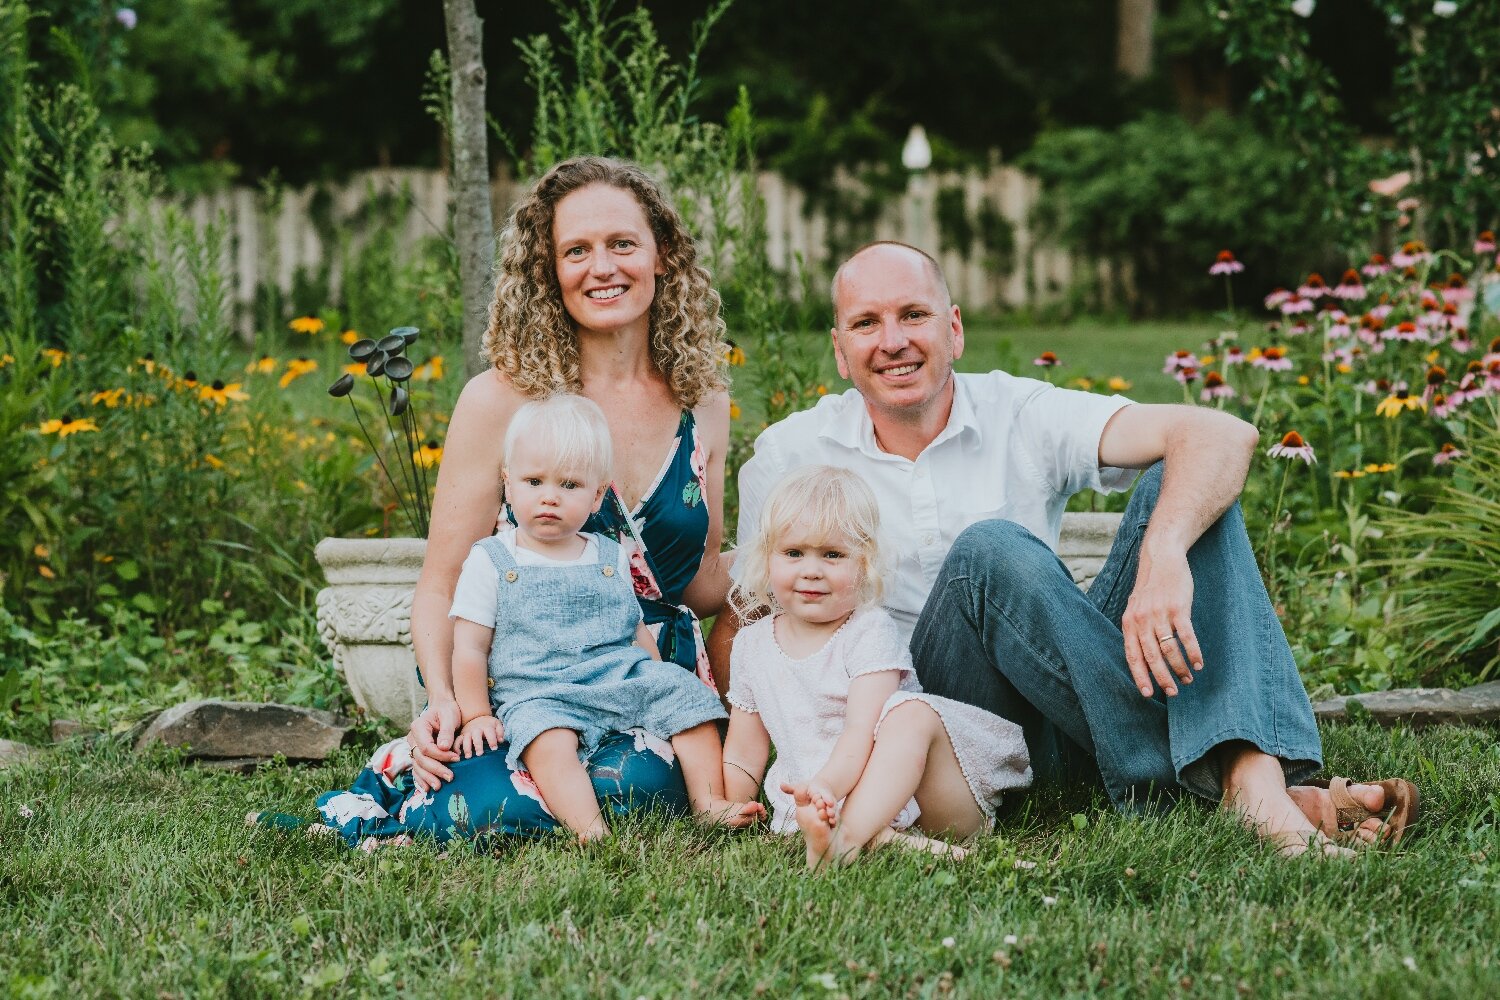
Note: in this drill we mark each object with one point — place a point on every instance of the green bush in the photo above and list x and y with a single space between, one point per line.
1157 196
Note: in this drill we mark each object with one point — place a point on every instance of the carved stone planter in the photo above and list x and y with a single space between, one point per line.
364 617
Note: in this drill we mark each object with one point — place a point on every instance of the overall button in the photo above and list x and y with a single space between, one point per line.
492 682
511 576
609 571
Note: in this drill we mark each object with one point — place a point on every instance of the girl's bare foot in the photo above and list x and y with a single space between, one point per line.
918 842
735 815
818 833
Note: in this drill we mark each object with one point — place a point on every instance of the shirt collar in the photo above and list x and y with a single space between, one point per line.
852 428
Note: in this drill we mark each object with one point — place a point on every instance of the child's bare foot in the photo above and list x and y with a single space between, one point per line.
735 815
818 834
917 842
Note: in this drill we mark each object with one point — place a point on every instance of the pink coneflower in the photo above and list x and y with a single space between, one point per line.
1349 287
1046 360
1412 253
1226 264
1277 297
1233 356
1457 290
1214 387
1314 287
1492 376
1186 375
1379 387
1273 359
1381 310
1447 453
1461 342
1178 360
1408 332
1376 266
1444 404
1493 354
1296 304
1437 377
1291 445
1338 324
1485 243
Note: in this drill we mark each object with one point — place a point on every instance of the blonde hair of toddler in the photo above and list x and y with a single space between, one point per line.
835 504
572 428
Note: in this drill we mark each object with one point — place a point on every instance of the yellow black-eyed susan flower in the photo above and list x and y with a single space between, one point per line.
1401 399
430 454
307 324
213 460
295 369
218 393
1376 468
67 425
355 368
109 398
147 363
189 380
1118 384
734 353
55 356
264 365
41 551
46 571
7 359
1349 474
429 370
734 410
349 336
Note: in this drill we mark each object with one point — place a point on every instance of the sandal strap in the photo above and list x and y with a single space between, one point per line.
1351 812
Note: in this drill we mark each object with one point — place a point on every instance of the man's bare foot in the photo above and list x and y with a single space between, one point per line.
1255 793
735 815
1317 805
918 842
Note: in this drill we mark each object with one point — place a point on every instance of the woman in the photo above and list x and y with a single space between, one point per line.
599 292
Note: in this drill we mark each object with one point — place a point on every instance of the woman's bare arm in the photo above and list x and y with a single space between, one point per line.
709 586
465 507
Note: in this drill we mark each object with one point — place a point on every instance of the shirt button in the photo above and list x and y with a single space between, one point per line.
927 539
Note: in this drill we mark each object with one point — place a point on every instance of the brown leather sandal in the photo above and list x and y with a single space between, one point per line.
1402 804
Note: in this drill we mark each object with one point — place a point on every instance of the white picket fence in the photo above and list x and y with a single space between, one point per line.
270 239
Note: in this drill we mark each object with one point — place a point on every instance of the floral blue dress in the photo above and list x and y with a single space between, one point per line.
665 537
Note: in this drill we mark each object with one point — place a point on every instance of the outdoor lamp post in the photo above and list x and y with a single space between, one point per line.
916 157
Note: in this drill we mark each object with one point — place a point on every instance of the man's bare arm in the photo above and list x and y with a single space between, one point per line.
1207 454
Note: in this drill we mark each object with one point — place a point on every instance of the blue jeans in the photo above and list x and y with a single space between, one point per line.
1005 628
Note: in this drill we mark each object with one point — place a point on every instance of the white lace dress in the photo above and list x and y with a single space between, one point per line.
802 702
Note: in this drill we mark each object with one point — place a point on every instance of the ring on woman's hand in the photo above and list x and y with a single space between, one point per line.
1165 638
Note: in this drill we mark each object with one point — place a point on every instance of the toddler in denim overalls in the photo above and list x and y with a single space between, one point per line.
550 650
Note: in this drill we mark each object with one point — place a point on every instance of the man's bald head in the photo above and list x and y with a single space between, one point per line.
884 248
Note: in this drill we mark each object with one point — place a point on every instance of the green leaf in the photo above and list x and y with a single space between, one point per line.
301 926
128 570
146 603
1080 822
326 976
1484 628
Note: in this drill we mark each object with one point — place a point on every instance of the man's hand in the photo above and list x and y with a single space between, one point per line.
1158 624
431 738
479 733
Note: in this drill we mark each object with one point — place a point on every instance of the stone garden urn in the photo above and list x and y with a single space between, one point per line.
364 617
364 614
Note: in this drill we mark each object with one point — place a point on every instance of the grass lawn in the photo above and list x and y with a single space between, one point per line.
1097 350
135 877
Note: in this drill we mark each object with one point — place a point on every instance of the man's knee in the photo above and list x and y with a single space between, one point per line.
1000 549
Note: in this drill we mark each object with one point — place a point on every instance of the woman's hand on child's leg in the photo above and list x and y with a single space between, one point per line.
479 732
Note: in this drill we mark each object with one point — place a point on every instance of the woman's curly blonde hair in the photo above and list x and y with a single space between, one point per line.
532 338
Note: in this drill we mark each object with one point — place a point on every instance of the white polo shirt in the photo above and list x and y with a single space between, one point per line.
1013 448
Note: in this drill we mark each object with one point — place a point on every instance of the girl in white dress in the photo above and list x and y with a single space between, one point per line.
862 754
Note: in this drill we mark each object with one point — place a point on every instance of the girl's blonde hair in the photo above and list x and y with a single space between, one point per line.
532 339
572 428
835 504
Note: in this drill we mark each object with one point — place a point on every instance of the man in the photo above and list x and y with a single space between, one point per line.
1172 674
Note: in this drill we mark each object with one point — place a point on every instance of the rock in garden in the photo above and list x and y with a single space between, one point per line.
14 753
240 729
65 729
1421 706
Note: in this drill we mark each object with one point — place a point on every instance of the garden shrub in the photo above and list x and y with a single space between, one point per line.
1156 195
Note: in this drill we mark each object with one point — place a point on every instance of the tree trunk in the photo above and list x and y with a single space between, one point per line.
473 221
1133 37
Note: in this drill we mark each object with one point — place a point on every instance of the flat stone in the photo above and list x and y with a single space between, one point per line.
66 729
234 765
12 752
228 730
1421 706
